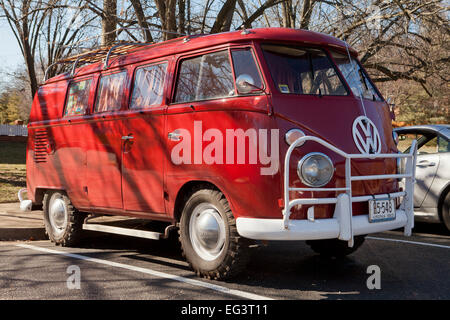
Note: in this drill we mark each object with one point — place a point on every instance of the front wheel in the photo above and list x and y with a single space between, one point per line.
209 238
335 247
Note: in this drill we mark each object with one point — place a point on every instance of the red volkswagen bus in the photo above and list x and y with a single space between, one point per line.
262 134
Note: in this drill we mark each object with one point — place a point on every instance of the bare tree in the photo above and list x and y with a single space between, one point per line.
306 13
392 37
109 22
247 23
181 16
26 18
63 30
409 41
142 21
166 11
223 20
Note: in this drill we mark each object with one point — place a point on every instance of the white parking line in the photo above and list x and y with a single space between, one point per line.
238 293
411 242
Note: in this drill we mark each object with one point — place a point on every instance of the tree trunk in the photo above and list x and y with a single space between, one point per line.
28 54
29 61
181 16
137 6
109 22
167 15
305 20
224 18
288 20
188 16
259 12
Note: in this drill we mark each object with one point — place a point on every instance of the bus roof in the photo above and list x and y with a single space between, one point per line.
196 42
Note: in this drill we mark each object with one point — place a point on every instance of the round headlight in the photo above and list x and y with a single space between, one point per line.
315 169
292 135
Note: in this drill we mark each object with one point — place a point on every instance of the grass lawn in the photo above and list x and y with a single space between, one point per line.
12 170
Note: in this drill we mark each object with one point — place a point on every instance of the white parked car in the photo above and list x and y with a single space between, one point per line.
432 188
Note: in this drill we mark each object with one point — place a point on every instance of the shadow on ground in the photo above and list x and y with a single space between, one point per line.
291 270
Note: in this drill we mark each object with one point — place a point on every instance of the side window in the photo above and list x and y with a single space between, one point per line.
444 145
110 92
405 140
204 77
148 86
78 98
244 63
426 144
430 146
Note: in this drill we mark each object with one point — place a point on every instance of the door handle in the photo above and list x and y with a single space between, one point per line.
426 163
129 137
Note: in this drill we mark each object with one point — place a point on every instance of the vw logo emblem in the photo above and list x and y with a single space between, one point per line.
366 136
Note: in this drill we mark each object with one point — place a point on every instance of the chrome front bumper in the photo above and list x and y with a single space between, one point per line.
336 227
343 225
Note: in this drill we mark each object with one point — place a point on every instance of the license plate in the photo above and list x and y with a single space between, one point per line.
381 210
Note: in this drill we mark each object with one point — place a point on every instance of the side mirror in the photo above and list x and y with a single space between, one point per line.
246 84
402 137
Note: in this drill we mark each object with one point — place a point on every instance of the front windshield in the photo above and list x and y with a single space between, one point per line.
300 70
356 78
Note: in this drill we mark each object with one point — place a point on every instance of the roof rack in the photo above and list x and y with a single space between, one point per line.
103 54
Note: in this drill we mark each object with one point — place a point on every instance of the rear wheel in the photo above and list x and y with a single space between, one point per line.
335 247
209 238
63 223
446 211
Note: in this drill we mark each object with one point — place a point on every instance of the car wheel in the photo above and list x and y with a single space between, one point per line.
63 223
335 247
209 238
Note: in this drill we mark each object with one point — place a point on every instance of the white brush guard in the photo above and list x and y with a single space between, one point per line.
343 225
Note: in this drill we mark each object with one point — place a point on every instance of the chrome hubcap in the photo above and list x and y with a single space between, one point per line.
58 215
207 231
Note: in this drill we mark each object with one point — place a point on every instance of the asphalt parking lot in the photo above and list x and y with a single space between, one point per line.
116 267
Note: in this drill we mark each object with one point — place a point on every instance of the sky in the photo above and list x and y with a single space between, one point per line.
10 55
10 52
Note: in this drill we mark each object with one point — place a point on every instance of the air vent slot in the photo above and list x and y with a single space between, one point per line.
40 146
